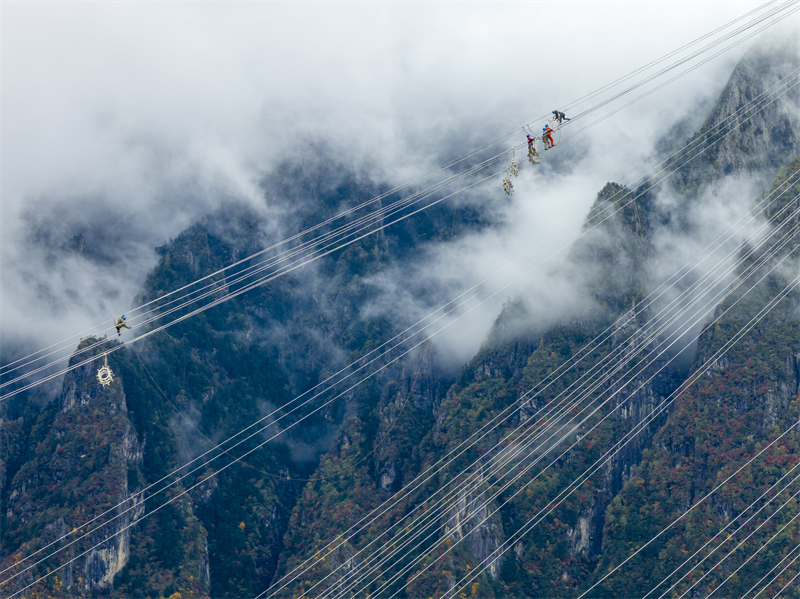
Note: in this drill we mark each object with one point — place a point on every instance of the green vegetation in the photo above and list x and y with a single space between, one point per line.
206 378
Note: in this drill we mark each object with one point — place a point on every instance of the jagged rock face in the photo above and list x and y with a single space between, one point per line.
81 388
84 459
510 363
746 398
470 519
226 538
312 325
11 448
558 553
716 426
756 143
635 400
407 405
78 469
613 258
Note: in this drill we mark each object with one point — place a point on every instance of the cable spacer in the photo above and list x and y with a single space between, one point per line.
104 375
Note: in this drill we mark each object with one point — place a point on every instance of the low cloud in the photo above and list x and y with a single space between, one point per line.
125 123
703 248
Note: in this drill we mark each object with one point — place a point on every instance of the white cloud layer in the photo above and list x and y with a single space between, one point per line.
144 116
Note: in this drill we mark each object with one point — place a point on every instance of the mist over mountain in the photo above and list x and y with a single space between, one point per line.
325 455
185 110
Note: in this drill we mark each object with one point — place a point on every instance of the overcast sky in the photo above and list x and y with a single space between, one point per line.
129 121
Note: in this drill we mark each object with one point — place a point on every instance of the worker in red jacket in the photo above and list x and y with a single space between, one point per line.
547 136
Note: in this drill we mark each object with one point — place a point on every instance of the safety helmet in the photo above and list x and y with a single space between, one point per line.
544 128
555 111
123 317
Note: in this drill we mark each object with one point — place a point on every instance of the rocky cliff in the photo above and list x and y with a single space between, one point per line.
744 402
741 140
83 459
207 378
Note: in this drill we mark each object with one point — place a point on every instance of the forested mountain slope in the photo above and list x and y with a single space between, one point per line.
208 378
205 379
749 398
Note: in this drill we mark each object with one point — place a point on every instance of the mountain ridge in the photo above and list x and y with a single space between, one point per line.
233 365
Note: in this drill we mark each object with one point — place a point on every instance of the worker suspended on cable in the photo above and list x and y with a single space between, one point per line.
560 116
533 155
547 137
121 324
